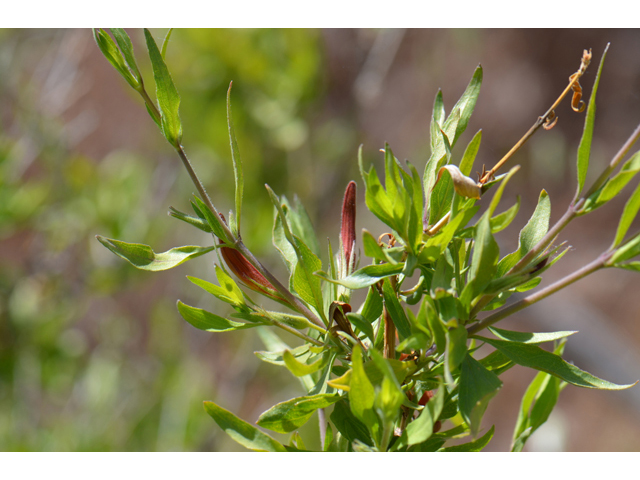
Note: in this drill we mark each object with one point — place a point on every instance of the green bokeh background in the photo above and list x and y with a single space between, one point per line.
93 353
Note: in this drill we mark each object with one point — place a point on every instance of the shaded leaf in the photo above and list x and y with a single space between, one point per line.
527 337
476 388
475 446
365 276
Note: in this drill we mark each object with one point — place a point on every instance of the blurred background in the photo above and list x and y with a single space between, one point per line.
93 353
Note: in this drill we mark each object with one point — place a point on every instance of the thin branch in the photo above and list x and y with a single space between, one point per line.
594 266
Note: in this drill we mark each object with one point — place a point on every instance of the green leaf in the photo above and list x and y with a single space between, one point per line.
348 425
475 446
237 164
300 223
504 219
279 240
126 47
535 357
477 387
209 321
306 284
301 369
165 43
455 352
534 231
466 164
167 94
365 276
144 258
614 185
372 308
214 221
362 324
627 251
421 428
396 311
361 393
465 105
288 416
503 183
191 220
110 51
584 149
390 396
485 255
628 216
277 357
437 119
527 337
632 266
230 297
245 434
543 394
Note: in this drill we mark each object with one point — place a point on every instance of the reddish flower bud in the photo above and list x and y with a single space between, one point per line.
247 273
348 229
426 396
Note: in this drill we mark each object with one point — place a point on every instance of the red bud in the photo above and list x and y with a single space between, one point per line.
348 228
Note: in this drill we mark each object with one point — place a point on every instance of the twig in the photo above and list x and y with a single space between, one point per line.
536 297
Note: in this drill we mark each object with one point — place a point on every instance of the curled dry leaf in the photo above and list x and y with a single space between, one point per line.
463 185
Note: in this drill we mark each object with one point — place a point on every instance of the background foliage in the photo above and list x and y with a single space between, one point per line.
93 354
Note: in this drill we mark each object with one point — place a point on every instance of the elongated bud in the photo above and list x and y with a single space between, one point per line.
247 273
348 228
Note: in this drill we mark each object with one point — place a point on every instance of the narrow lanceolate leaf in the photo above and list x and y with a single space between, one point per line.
361 392
437 119
190 219
466 105
477 387
466 164
584 149
167 94
144 258
214 221
504 219
288 416
300 369
219 292
114 56
614 185
535 229
626 252
242 432
475 446
485 255
208 321
365 276
165 43
237 164
628 216
348 425
124 42
542 394
396 311
535 357
527 337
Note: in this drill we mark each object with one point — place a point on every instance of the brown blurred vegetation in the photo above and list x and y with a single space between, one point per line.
93 353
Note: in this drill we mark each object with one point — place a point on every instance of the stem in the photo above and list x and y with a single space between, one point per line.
152 106
597 264
199 186
614 162
295 332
